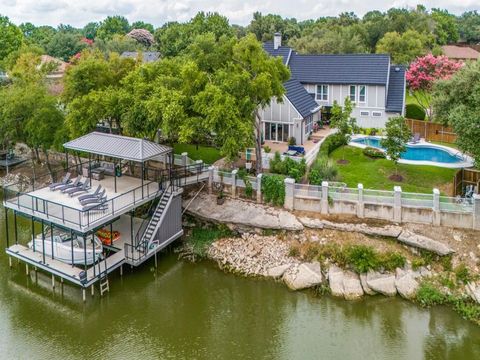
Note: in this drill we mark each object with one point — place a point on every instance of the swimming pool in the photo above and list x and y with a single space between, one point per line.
422 153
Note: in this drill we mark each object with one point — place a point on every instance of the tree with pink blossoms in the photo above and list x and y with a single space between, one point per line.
424 72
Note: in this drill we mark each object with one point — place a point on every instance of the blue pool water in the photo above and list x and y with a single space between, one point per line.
416 152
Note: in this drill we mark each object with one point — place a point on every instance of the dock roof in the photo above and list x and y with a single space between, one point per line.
120 147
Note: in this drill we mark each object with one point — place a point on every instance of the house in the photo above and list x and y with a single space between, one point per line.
60 69
373 83
148 56
463 53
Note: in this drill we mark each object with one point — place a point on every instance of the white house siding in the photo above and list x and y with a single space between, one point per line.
375 103
282 113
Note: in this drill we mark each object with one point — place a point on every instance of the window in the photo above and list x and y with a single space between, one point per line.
353 93
364 113
362 94
322 92
276 132
309 125
376 113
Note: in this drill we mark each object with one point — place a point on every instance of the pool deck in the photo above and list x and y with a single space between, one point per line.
466 163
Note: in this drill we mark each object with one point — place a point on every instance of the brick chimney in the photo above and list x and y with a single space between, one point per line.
277 40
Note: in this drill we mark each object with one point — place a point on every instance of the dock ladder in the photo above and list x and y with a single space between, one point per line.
104 284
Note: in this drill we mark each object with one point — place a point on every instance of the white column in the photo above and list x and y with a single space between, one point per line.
360 204
324 201
476 211
259 188
436 207
397 204
184 159
234 183
289 193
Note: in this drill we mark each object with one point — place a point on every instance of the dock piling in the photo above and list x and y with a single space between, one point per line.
84 295
26 269
93 290
53 282
10 261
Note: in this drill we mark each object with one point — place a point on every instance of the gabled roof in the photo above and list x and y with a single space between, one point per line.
283 51
148 56
396 89
300 98
460 52
120 147
365 69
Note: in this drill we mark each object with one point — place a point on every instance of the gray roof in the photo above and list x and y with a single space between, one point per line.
365 69
283 51
120 147
396 89
300 98
148 56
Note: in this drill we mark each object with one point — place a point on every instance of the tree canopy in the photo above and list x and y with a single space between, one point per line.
11 37
403 48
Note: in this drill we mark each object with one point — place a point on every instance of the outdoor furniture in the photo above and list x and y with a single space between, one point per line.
291 153
416 138
94 200
87 196
77 183
79 189
298 149
98 174
95 207
65 180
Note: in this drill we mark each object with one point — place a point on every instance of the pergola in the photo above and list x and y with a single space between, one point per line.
118 147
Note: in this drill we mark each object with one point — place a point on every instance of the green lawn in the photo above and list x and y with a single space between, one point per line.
373 174
452 145
206 153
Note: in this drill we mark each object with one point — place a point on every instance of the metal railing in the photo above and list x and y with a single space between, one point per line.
456 204
423 201
314 191
378 197
343 194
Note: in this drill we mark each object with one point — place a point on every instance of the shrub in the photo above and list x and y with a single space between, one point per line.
414 111
273 189
267 149
417 263
243 174
322 170
294 251
462 274
311 252
288 166
374 153
392 260
446 262
362 258
292 141
428 295
467 309
331 143
201 238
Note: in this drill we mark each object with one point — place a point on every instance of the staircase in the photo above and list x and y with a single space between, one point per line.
146 238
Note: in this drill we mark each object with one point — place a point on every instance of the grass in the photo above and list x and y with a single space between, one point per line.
374 173
452 145
202 238
206 153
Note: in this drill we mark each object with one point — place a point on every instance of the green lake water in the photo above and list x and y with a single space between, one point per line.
195 311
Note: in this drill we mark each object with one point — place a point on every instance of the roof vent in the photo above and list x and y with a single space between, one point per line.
277 40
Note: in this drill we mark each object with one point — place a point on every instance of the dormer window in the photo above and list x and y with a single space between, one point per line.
322 92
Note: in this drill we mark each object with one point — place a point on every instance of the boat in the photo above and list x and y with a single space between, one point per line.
106 237
63 245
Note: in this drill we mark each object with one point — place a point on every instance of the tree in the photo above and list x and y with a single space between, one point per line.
143 25
456 102
469 26
11 37
264 26
90 30
37 36
113 25
343 121
64 45
118 44
403 48
422 75
446 28
397 136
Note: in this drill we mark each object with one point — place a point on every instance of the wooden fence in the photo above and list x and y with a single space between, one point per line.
466 177
431 131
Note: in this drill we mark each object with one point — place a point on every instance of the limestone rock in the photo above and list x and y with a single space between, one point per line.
306 275
277 272
366 288
474 291
425 243
382 283
335 279
352 287
406 284
311 223
389 230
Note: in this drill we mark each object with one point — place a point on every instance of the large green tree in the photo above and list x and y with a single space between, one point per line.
64 45
456 102
343 121
469 26
446 27
11 37
395 141
113 25
403 48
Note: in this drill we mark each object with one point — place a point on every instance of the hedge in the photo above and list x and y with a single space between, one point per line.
414 111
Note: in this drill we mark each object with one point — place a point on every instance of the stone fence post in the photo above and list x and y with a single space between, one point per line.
360 203
184 159
211 170
324 201
234 183
259 188
397 204
436 207
476 211
289 193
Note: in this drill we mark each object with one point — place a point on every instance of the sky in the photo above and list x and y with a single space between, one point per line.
79 12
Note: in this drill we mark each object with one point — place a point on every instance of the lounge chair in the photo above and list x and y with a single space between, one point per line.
87 196
96 207
94 200
416 138
97 198
72 185
79 189
65 180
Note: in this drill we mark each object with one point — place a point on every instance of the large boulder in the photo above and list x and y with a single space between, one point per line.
406 284
474 291
352 288
423 242
311 223
365 287
388 230
382 283
304 276
277 272
335 279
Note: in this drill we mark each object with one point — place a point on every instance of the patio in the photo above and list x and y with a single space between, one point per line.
309 145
